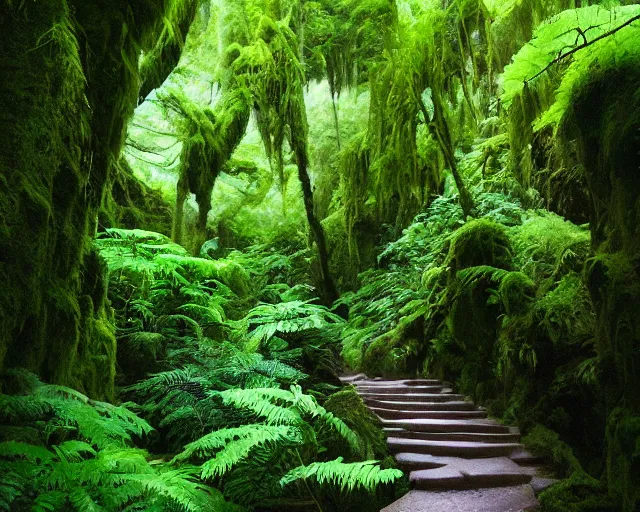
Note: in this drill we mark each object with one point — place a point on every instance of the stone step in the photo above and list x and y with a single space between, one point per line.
398 388
398 382
351 379
496 499
470 474
453 436
437 425
423 406
439 415
525 458
465 449
411 397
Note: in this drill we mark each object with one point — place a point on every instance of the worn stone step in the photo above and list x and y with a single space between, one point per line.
423 406
453 436
411 397
465 449
460 473
398 388
352 379
496 499
441 415
436 425
525 458
398 382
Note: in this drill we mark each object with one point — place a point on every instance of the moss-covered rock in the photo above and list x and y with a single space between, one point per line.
516 292
623 458
479 242
604 123
394 353
348 406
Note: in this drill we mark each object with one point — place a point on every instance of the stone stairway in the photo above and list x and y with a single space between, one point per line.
458 460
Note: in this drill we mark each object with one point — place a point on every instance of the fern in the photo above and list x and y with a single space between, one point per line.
347 477
266 320
233 445
84 461
564 34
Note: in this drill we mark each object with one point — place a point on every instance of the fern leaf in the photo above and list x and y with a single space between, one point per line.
34 454
206 446
257 400
366 475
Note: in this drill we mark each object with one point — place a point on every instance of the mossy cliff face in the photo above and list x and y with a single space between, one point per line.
606 123
72 85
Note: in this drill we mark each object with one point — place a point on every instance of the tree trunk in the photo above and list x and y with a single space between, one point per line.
182 189
300 149
440 132
335 119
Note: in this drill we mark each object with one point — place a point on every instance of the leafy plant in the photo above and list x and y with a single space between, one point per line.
293 428
62 451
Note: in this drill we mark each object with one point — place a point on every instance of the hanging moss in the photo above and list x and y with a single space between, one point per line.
74 82
210 135
131 204
344 264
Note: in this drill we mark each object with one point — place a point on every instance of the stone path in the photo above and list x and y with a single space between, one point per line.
458 460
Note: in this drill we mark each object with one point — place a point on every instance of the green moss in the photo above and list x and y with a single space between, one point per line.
578 493
479 242
130 203
516 291
348 406
623 458
349 253
394 352
546 443
74 84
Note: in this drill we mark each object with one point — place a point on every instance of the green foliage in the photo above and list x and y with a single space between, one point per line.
294 429
346 476
479 242
78 455
348 406
265 321
566 34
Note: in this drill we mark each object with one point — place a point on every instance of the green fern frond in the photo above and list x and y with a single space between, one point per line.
178 486
347 477
34 454
258 401
207 445
73 451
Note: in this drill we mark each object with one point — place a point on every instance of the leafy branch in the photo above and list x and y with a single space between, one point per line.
582 46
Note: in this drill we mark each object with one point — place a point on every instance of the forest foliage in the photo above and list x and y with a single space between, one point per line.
248 198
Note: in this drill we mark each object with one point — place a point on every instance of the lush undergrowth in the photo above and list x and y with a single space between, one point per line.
237 398
499 306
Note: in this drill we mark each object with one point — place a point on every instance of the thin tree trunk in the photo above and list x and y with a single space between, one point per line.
336 120
439 131
204 207
463 80
300 149
182 190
